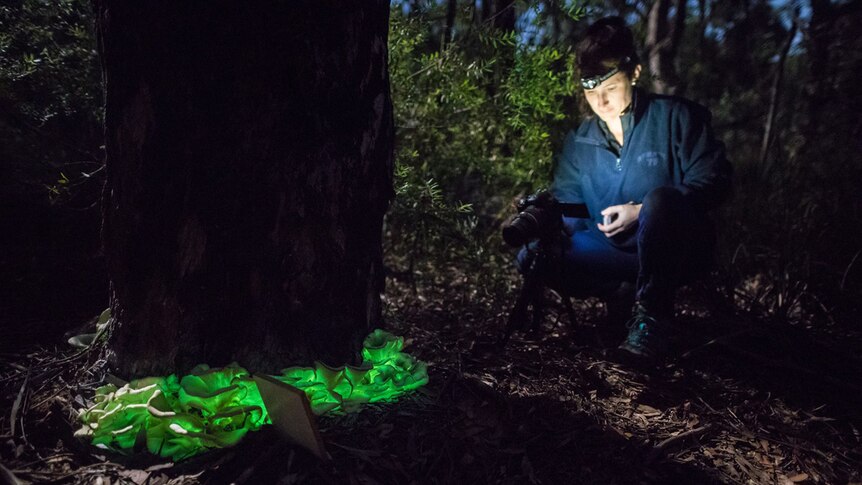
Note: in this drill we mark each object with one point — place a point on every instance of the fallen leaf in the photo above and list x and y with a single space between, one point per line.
139 477
648 410
799 477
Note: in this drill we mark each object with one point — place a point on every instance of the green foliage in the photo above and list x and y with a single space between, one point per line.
483 115
540 80
420 219
50 93
479 117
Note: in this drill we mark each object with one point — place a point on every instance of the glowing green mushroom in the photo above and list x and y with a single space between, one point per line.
214 408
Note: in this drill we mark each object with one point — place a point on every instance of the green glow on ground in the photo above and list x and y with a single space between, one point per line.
214 408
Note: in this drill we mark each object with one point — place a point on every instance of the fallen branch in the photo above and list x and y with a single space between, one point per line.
8 476
716 340
685 434
16 406
667 443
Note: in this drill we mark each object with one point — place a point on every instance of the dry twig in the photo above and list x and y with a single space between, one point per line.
16 406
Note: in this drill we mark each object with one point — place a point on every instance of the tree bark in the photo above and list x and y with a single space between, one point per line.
701 25
249 166
503 17
451 10
818 89
775 95
486 10
832 86
662 43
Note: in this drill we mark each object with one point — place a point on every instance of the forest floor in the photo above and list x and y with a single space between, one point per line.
740 400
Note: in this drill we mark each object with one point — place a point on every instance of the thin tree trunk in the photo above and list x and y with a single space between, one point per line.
662 44
820 34
656 32
249 165
827 29
676 33
503 17
775 95
701 24
556 21
451 10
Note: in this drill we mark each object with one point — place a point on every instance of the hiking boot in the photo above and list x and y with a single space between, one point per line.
619 304
647 335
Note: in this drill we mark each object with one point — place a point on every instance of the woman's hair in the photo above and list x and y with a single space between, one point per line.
608 43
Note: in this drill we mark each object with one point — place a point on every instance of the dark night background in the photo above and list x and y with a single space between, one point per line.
768 378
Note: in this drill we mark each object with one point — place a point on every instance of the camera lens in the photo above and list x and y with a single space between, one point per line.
514 235
523 228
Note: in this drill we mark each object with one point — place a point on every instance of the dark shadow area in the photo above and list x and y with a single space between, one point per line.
53 275
469 433
804 367
459 430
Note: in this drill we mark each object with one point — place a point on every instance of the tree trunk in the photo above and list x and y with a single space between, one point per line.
486 10
451 10
249 166
774 96
662 43
818 89
832 87
503 17
701 25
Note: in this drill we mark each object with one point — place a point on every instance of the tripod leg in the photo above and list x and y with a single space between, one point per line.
518 316
570 310
538 310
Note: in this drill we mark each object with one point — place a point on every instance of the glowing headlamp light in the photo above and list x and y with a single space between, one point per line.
593 82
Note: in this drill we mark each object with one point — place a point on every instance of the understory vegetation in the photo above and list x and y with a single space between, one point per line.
764 383
480 114
483 95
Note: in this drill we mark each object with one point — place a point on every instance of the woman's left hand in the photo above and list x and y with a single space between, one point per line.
623 217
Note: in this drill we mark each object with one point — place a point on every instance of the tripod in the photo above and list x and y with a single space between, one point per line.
542 257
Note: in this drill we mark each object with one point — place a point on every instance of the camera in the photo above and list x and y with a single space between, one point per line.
539 217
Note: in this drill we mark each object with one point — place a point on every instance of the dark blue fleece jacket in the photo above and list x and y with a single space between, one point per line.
670 143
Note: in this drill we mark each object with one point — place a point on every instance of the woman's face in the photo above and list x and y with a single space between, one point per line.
611 97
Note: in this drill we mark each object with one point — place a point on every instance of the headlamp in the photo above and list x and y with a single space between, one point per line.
593 82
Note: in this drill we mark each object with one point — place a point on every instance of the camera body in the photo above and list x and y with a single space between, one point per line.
540 216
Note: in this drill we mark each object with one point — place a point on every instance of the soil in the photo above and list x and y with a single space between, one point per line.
740 399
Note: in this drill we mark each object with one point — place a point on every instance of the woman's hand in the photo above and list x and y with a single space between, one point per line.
622 217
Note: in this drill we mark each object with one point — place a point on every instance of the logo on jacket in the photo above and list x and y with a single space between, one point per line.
650 159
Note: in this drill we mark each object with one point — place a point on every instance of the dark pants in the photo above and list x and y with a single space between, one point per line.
671 244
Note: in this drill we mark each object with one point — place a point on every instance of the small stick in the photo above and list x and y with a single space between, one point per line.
716 340
673 439
17 405
8 476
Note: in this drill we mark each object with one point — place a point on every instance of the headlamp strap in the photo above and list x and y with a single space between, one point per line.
593 82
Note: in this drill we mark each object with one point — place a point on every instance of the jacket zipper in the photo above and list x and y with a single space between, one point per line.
618 165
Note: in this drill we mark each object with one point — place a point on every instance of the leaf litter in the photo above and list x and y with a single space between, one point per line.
745 400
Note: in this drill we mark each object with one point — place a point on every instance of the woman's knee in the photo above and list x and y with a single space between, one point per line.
661 199
662 202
